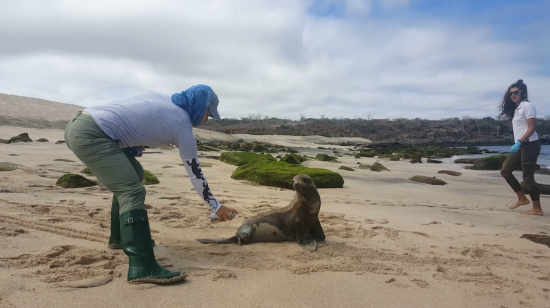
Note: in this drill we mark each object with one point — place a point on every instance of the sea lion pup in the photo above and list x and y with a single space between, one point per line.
299 221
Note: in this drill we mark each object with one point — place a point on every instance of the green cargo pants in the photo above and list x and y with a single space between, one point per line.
120 173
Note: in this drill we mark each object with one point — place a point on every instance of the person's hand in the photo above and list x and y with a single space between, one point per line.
223 213
140 153
515 147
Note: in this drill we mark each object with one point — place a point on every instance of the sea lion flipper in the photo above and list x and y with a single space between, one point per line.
230 240
317 231
310 245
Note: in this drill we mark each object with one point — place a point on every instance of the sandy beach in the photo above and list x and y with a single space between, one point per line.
390 242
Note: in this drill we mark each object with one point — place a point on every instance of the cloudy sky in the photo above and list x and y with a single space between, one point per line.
430 59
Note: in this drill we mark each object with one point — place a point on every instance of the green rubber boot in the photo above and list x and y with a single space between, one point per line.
136 244
114 239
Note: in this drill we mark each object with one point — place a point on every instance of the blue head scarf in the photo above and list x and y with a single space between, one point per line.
194 101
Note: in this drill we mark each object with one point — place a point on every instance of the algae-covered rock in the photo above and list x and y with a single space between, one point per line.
149 178
466 160
544 189
4 141
346 168
7 166
291 151
280 174
42 140
427 180
325 157
23 137
294 159
86 171
71 180
207 148
364 166
378 167
242 158
489 163
416 160
450 172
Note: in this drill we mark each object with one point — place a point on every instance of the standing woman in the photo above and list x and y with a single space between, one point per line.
516 106
102 138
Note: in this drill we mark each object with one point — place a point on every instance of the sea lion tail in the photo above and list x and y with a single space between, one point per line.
230 240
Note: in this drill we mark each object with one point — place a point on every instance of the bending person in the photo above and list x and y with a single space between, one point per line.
102 137
516 106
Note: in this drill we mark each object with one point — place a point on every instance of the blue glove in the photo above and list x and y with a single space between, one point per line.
515 147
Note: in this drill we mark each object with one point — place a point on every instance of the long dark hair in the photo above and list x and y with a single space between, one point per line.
507 106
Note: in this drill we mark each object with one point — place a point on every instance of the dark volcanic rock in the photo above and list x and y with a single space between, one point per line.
23 137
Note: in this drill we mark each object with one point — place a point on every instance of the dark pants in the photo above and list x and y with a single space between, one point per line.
527 159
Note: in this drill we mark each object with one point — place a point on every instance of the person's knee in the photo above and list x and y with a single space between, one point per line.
133 199
505 172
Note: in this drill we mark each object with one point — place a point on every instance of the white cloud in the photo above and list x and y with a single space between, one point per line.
268 57
394 4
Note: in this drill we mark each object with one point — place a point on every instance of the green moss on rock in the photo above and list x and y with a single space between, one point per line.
416 160
378 167
489 163
294 159
280 174
71 180
149 178
86 171
346 168
325 157
242 158
207 148
427 180
364 166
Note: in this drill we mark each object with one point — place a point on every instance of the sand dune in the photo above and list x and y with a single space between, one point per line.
390 242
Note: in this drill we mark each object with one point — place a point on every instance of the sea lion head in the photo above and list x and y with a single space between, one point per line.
302 183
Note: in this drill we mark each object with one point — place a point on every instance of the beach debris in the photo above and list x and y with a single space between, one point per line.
60 142
450 172
346 168
378 167
71 180
149 178
427 180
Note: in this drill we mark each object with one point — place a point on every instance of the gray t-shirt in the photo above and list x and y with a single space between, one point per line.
152 119
148 119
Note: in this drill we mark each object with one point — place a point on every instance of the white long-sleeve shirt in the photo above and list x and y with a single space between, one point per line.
152 119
